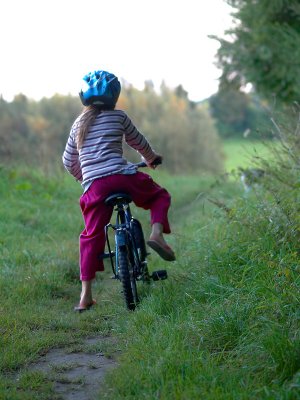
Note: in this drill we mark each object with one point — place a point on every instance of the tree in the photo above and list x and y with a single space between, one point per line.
238 113
183 132
264 48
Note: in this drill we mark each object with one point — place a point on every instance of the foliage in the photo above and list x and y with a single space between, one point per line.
239 114
263 48
36 132
182 131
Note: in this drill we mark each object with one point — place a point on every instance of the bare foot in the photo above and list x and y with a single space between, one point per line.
86 298
86 301
83 307
158 244
159 239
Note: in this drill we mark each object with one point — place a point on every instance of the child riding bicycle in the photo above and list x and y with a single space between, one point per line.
94 156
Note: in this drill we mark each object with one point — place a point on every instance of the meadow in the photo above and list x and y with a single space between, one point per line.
242 152
225 325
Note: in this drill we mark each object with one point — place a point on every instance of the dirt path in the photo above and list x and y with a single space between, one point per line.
77 375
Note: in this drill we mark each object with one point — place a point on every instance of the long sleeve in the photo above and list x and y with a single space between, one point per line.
101 153
136 140
71 159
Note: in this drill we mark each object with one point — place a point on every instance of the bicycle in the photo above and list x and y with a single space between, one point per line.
130 249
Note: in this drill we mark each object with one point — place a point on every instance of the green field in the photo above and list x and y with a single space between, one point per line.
225 325
243 153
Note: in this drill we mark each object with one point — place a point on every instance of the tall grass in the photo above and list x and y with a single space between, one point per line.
226 325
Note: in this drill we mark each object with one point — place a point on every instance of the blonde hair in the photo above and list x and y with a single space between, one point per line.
88 116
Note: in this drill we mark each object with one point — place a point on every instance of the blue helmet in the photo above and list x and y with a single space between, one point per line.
100 88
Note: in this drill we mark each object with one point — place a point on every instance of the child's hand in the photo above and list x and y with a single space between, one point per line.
157 161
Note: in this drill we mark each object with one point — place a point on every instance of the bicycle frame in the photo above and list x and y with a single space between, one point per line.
123 237
130 249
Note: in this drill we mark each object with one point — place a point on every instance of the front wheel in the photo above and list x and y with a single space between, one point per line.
127 279
137 231
140 246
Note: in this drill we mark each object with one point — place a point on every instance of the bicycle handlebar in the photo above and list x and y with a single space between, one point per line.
142 164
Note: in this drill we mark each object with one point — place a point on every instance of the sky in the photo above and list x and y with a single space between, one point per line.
47 46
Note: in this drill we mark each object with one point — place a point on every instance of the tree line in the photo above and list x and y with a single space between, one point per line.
238 114
35 132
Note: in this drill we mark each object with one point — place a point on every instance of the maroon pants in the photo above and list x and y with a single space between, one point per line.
145 193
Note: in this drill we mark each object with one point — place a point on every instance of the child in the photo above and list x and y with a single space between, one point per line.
94 156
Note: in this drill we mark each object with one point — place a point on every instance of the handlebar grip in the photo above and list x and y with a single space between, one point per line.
157 161
142 164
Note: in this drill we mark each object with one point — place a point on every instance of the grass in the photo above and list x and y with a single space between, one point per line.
225 325
40 224
39 273
242 153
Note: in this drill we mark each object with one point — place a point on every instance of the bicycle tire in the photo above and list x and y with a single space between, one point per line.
139 238
140 245
127 279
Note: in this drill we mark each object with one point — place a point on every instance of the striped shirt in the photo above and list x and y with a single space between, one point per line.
102 152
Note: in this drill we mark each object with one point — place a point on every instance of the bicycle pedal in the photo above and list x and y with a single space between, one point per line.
159 275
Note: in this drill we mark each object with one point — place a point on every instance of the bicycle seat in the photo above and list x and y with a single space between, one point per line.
117 198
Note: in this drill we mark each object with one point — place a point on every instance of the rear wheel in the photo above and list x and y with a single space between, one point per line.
127 279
